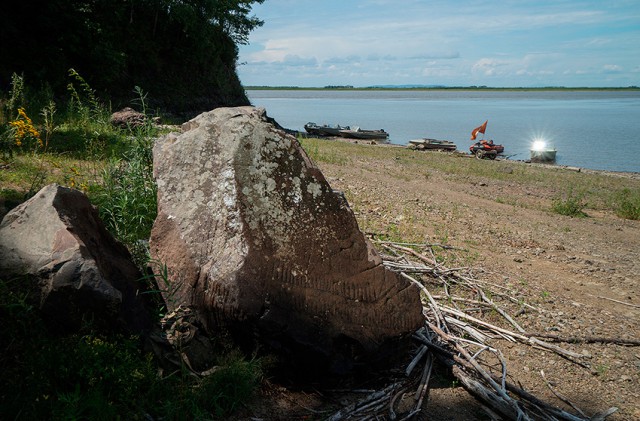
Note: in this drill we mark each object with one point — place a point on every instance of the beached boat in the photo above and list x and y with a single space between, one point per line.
546 155
432 144
358 133
325 129
541 152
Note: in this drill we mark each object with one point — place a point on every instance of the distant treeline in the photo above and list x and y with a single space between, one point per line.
182 53
425 88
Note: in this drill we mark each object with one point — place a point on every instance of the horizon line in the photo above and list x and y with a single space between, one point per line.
435 87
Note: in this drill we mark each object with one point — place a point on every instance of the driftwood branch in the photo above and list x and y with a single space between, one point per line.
588 339
617 301
467 344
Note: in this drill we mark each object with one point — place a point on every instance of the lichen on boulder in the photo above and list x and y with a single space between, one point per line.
256 240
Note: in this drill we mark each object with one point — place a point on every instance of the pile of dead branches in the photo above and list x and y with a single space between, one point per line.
465 343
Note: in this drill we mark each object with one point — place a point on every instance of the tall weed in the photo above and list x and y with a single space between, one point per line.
126 197
571 204
627 204
8 113
84 101
89 375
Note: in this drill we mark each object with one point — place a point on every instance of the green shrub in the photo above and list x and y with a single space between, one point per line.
627 204
232 385
218 395
126 197
89 375
81 376
572 204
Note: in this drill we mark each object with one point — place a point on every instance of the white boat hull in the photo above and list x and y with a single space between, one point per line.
548 155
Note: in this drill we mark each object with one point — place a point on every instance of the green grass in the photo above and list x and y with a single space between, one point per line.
92 374
326 155
126 197
598 191
627 204
571 204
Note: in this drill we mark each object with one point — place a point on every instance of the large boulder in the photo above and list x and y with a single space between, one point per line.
256 241
56 244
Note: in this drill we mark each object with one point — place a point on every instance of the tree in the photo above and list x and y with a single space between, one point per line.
183 52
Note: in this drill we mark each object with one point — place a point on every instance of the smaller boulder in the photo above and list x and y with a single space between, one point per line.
128 118
57 243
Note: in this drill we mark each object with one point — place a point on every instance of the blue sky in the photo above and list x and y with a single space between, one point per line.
502 43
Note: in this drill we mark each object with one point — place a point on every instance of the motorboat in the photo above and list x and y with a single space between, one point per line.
324 130
432 144
358 133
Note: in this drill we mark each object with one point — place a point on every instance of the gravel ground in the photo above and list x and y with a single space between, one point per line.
582 273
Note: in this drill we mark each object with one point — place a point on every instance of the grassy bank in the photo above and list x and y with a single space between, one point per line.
565 189
90 374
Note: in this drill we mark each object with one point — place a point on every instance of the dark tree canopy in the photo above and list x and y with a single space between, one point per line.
183 53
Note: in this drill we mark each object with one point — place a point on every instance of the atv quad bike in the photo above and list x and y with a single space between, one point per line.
484 149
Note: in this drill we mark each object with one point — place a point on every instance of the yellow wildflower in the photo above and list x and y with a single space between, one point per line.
24 128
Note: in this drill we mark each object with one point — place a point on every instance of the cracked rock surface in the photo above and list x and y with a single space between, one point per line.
255 238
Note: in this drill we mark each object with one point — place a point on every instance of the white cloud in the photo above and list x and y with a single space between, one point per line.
430 56
487 66
466 42
294 60
611 68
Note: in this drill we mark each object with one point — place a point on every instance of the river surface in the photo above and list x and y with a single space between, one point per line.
590 129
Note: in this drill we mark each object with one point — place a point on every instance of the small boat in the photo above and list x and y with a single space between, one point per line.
324 130
545 155
541 152
358 133
432 144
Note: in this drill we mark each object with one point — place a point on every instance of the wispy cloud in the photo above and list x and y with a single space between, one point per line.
470 41
612 68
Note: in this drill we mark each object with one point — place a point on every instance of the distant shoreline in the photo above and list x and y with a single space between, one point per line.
462 153
434 88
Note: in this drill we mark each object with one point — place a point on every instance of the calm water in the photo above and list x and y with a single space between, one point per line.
597 130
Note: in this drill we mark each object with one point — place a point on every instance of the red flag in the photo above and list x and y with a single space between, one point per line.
477 130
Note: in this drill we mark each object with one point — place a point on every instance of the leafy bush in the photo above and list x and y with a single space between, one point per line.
627 204
572 204
217 395
232 385
92 376
72 377
126 197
